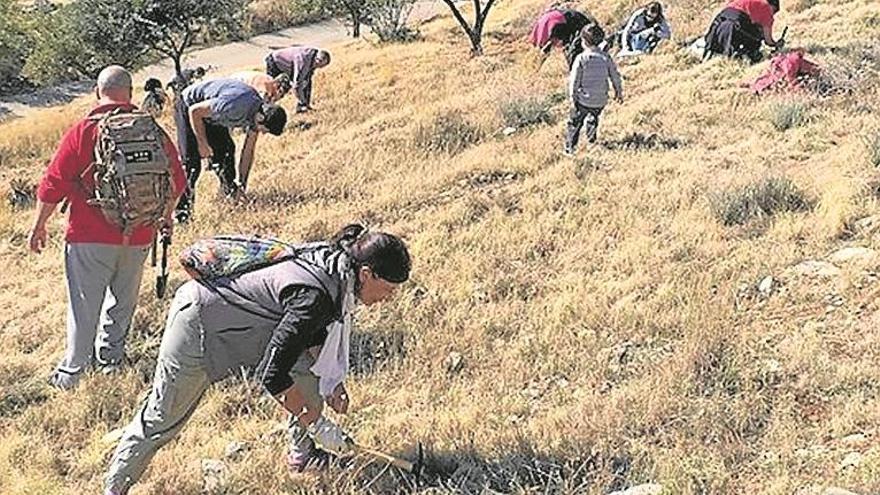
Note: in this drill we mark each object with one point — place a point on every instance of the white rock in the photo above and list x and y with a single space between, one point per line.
766 285
214 474
867 225
508 131
813 268
853 255
854 439
852 460
833 490
646 489
235 449
454 362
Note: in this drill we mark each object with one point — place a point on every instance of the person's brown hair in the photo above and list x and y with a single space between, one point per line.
592 34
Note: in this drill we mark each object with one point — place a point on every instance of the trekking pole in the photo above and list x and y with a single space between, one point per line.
781 43
162 272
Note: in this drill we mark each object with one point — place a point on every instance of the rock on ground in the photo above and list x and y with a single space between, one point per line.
813 268
853 255
646 489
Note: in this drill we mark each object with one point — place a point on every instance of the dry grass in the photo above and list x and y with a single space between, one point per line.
610 326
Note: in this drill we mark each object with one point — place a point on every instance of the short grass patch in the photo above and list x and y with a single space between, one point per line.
760 199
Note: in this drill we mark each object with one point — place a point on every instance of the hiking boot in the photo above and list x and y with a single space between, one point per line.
299 461
64 380
111 368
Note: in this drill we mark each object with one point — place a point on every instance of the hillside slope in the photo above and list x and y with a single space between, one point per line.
610 325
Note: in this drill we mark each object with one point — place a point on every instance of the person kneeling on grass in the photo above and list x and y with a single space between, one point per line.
588 87
646 28
265 318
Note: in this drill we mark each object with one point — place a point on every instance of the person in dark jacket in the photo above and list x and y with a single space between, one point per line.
740 28
560 27
266 318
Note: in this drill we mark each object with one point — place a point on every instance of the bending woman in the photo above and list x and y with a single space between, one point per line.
741 27
266 319
559 27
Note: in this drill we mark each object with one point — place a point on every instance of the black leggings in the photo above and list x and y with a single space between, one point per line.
223 156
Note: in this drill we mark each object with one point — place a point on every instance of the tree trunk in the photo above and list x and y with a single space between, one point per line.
178 68
355 26
476 38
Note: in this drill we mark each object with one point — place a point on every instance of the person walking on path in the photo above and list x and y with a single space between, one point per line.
103 265
300 63
264 318
588 87
204 114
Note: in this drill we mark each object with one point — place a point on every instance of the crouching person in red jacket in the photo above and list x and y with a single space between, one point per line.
103 264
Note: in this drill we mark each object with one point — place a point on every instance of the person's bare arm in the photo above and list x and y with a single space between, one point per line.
38 236
197 115
248 151
768 38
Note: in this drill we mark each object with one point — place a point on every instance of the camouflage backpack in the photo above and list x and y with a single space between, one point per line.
133 185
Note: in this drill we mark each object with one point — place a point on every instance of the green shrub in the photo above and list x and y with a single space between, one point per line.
760 199
448 133
15 41
264 16
526 112
788 115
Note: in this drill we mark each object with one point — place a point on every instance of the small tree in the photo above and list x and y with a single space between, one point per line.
14 41
474 32
76 40
170 27
388 19
353 10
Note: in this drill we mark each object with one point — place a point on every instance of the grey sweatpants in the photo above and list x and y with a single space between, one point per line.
180 381
102 289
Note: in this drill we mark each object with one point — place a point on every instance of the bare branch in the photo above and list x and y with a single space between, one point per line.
458 17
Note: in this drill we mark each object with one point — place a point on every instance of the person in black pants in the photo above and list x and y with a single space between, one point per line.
204 114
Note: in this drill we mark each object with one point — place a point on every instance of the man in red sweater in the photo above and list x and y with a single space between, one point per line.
103 272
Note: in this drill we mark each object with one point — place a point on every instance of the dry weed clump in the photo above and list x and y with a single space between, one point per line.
594 304
449 132
760 199
526 111
787 115
872 145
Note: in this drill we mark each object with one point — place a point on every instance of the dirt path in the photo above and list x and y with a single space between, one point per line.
223 58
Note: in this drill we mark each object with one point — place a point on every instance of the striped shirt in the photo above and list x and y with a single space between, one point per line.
588 81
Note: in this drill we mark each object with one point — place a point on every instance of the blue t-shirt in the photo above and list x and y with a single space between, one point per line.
233 103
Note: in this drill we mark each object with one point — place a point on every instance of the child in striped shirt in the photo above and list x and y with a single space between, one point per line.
588 87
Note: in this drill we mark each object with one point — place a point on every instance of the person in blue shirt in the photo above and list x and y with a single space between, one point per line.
204 114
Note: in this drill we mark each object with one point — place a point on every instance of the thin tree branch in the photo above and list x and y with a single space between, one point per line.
458 17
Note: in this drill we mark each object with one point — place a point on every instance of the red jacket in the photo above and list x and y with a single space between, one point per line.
66 177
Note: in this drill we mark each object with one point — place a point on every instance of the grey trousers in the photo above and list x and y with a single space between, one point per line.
581 116
180 381
102 289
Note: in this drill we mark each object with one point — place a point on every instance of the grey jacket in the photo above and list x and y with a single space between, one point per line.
239 315
588 81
